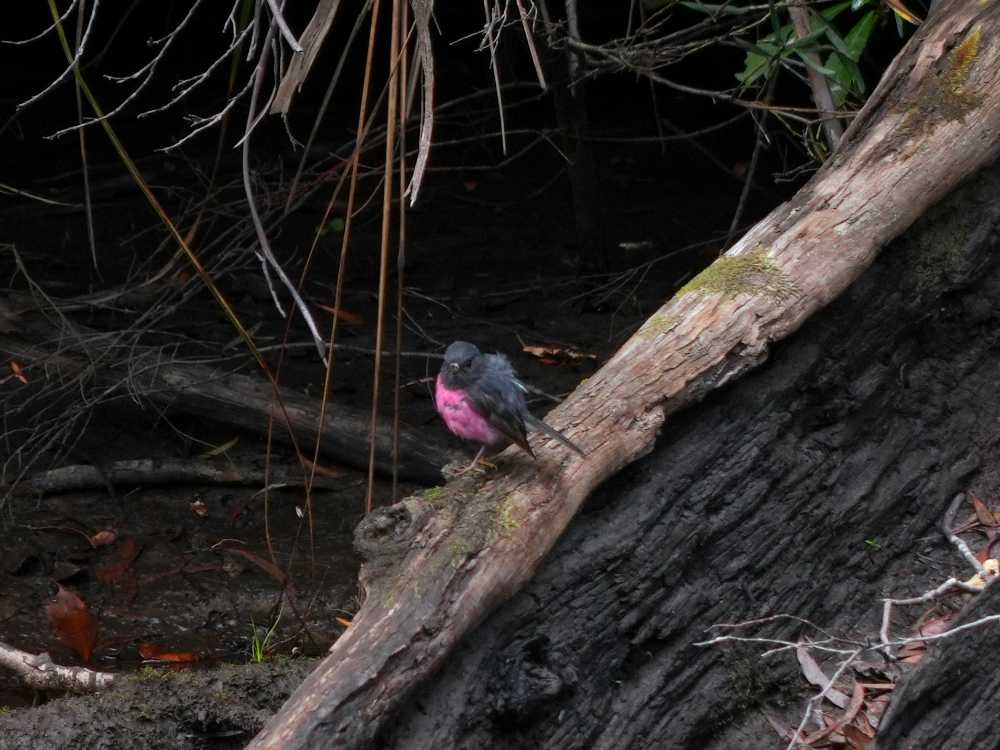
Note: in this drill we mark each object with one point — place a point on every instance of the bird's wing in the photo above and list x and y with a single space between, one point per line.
502 411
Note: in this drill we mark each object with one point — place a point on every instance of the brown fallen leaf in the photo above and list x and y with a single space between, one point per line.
983 513
72 623
113 570
840 723
856 739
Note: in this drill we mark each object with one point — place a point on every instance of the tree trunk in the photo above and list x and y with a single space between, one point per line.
812 487
437 566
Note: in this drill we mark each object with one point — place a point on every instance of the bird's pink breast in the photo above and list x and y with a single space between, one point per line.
461 418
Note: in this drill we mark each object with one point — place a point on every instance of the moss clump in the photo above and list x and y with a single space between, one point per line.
752 273
507 522
659 323
435 496
153 674
945 98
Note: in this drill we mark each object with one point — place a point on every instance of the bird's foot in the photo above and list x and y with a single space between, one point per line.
479 465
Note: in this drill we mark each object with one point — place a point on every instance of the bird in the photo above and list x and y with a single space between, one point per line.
482 400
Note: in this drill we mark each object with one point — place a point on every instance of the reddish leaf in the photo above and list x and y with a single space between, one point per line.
983 513
856 739
151 651
343 621
838 725
72 623
113 570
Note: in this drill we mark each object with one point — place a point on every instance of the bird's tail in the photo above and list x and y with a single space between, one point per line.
535 423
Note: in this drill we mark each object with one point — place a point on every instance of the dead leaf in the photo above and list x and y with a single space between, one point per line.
103 538
343 621
837 725
321 469
992 568
153 652
72 623
856 739
903 12
983 513
113 570
344 316
554 355
816 676
220 449
15 367
266 565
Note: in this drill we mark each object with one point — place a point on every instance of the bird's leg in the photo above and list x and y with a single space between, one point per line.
475 463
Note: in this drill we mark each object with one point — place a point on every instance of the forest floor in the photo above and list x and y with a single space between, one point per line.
491 258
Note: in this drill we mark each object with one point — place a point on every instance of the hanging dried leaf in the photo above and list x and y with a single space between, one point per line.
72 623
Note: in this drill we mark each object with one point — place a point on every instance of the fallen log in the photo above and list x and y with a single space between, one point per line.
242 401
813 487
437 566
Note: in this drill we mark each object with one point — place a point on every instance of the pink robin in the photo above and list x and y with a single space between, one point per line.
480 399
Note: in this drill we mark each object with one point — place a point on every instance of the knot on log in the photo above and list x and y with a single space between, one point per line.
385 535
528 684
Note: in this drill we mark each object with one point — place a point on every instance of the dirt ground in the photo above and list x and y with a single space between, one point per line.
491 259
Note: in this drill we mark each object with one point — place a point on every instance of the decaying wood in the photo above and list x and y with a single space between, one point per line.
299 66
152 471
39 672
242 401
436 566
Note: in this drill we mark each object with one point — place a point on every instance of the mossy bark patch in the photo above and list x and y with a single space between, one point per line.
752 273
946 97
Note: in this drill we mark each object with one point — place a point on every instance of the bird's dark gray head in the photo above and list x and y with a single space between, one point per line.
462 364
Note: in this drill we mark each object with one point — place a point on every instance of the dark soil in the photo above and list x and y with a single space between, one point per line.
491 259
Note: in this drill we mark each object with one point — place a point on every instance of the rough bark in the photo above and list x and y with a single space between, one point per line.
242 401
759 501
438 565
